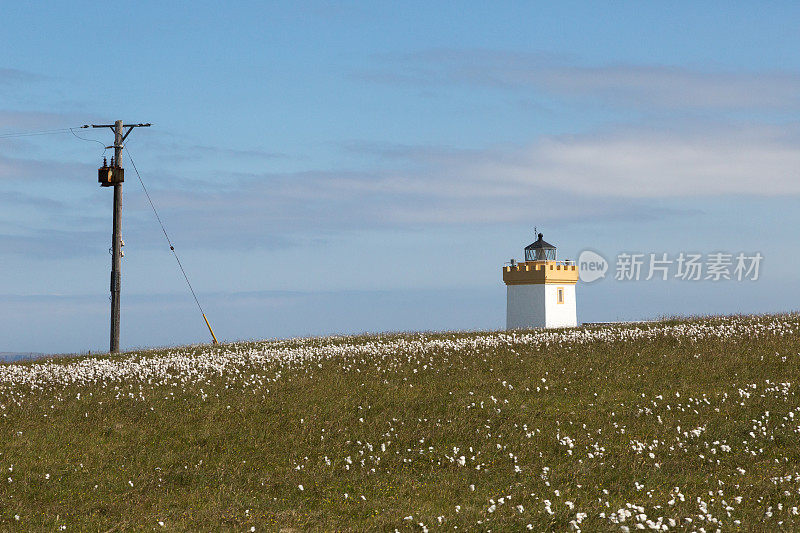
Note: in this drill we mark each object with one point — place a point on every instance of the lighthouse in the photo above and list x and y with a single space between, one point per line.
541 289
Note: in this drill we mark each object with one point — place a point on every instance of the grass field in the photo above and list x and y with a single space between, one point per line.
681 425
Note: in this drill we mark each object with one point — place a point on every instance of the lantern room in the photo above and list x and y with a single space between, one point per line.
540 251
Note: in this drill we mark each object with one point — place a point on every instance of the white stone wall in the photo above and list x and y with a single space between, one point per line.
525 306
560 315
536 306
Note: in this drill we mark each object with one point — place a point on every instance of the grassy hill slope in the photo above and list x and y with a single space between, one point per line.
677 425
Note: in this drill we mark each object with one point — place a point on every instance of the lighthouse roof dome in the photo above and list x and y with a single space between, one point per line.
540 244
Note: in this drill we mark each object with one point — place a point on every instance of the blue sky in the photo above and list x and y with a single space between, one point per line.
344 167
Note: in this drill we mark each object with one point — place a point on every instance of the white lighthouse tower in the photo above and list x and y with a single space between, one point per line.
540 290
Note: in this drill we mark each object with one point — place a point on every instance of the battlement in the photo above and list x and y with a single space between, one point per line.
540 272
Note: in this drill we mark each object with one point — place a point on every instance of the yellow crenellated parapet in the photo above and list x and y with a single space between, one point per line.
540 272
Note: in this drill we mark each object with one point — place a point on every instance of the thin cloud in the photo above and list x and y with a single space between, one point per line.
177 151
50 244
20 199
13 76
25 121
42 170
690 161
736 160
632 85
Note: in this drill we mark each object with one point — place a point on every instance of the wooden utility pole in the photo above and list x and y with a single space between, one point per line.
108 176
116 242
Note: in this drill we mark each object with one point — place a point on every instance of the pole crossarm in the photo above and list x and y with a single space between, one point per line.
113 128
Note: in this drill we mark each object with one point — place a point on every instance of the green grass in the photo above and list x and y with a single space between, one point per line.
228 451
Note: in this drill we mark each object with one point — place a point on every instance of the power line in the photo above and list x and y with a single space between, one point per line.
171 247
30 133
71 130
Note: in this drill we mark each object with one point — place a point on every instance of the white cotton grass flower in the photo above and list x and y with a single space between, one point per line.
162 368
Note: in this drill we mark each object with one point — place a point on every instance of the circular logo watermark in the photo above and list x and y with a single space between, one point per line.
591 266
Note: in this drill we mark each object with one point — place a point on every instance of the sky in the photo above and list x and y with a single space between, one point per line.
342 167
